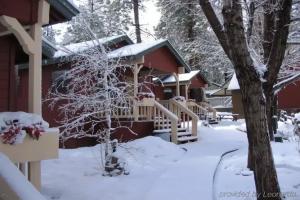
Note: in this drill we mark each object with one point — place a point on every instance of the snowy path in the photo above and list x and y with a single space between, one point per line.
159 170
192 176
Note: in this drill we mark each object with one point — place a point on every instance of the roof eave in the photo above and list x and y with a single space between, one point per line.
66 8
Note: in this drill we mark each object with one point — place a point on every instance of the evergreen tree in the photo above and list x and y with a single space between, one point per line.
49 33
184 24
103 17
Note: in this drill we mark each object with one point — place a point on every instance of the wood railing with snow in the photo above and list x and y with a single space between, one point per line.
188 118
28 155
212 112
163 116
197 109
123 110
13 184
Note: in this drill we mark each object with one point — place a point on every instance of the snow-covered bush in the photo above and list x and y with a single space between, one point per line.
297 124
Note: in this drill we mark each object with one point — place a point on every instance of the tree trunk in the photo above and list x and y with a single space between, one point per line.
260 152
271 110
137 21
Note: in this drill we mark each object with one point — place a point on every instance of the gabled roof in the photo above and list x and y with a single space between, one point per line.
82 46
66 8
135 51
186 77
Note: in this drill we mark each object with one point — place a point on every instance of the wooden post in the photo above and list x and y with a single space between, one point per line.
34 174
35 60
136 70
174 131
187 91
177 84
32 45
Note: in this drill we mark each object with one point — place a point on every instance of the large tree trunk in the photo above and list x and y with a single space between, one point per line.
232 38
271 111
260 152
137 21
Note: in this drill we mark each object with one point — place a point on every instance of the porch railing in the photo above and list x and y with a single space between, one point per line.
200 111
220 101
211 112
189 119
8 179
161 116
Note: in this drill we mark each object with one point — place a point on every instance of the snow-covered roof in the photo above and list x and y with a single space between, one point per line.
182 77
134 49
140 49
66 8
211 92
234 84
82 46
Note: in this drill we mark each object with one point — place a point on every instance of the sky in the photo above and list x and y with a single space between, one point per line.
149 18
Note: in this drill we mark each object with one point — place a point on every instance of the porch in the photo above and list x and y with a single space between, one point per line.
21 33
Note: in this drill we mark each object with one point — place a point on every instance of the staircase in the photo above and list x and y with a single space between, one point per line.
169 117
204 111
164 127
211 114
186 121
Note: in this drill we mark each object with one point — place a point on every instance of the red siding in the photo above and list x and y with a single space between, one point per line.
22 100
51 116
159 92
197 82
289 97
163 60
23 10
7 74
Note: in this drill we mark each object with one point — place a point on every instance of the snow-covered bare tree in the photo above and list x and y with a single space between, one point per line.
254 76
88 94
184 24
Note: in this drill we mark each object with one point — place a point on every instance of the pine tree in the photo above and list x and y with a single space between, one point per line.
49 33
184 24
104 17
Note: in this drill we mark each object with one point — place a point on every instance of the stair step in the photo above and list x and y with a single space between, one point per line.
165 126
187 138
183 134
168 130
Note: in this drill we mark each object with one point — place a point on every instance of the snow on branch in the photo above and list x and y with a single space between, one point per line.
277 87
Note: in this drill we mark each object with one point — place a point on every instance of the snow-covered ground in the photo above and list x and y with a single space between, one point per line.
160 170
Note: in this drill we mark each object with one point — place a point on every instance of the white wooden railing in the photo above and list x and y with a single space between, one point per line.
211 112
13 184
124 109
220 101
164 116
160 115
197 109
189 119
